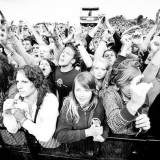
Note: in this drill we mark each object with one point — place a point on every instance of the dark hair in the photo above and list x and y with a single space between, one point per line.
6 74
31 39
76 53
35 75
49 81
111 51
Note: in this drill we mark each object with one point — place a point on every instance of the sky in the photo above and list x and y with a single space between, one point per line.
69 10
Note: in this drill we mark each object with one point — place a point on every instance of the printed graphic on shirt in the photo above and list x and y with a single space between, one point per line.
60 83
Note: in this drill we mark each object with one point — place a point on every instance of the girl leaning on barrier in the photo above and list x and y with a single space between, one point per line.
82 114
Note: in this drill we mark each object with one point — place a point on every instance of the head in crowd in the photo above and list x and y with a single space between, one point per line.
69 56
110 55
47 67
45 52
100 68
35 48
124 74
28 43
83 94
29 81
135 49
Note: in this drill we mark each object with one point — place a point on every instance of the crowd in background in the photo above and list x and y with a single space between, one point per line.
63 83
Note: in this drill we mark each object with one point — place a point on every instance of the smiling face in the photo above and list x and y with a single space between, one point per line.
45 67
83 95
25 87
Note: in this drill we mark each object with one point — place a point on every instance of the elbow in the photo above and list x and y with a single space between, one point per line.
43 138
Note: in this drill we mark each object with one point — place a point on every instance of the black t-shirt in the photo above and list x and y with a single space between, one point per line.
63 82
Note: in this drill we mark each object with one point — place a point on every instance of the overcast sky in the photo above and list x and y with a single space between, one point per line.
69 10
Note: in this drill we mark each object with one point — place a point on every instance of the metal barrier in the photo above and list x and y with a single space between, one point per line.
116 147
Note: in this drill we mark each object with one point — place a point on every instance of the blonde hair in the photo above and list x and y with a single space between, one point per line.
108 67
126 71
106 63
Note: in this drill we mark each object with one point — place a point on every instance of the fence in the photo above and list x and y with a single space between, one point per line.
116 147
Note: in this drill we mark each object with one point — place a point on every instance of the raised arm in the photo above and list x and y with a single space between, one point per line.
84 54
103 44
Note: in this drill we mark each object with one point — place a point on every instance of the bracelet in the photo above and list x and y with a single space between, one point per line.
22 122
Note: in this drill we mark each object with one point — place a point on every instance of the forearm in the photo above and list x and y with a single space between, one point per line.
152 68
100 50
85 56
93 31
38 37
10 123
15 56
68 136
150 34
21 51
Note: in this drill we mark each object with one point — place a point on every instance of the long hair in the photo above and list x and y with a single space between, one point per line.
6 74
86 80
125 72
50 79
35 75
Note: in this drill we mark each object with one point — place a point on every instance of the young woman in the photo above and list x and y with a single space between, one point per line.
124 99
78 110
101 70
33 108
48 69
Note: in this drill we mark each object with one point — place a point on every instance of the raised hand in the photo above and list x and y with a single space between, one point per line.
137 37
8 105
138 91
126 40
77 35
19 115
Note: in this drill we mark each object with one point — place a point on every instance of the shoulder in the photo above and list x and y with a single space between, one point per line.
74 71
50 98
111 94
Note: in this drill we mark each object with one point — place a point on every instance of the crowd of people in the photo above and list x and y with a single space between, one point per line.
63 84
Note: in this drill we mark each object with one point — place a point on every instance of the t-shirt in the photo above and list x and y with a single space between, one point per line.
63 82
